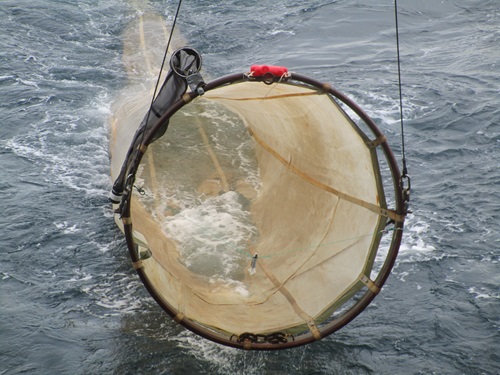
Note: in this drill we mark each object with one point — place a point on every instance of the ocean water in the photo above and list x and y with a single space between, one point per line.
70 302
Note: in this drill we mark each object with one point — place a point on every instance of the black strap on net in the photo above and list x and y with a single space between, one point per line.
165 55
185 65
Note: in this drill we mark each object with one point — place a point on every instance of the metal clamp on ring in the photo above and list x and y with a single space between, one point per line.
186 63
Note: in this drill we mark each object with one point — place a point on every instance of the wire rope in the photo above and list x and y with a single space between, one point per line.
162 64
405 171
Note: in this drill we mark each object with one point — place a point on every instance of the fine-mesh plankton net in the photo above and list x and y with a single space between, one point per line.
256 220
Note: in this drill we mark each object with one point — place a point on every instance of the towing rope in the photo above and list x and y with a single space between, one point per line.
405 179
162 65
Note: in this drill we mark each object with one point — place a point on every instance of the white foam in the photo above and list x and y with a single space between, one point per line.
6 78
482 294
27 82
236 286
66 228
84 277
414 247
116 293
221 359
68 150
278 31
212 235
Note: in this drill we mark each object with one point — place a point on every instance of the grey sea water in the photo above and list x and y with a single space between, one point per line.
70 302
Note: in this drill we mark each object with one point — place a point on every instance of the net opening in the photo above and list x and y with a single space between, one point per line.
265 217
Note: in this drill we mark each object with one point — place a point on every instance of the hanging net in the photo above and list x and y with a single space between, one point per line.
267 216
